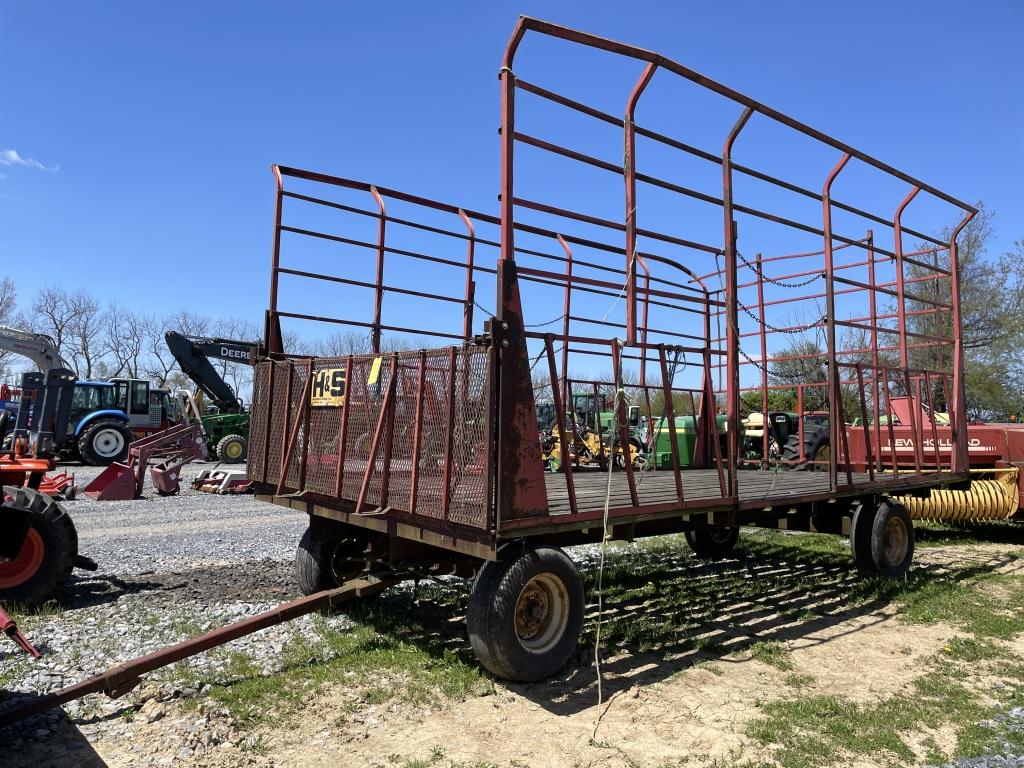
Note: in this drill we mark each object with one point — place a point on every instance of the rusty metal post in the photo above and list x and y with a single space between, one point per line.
272 332
629 174
959 424
830 308
417 427
732 332
467 323
378 434
339 471
669 410
873 307
620 415
864 421
449 434
567 306
901 317
378 298
559 404
763 333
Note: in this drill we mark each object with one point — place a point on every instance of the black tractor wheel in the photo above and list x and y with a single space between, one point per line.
892 540
329 554
525 614
713 543
48 552
105 441
232 449
815 449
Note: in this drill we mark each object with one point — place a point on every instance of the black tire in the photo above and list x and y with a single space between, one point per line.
232 449
47 557
508 636
892 540
105 441
860 539
816 440
7 441
713 543
328 555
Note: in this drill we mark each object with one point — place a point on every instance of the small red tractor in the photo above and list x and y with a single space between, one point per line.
38 540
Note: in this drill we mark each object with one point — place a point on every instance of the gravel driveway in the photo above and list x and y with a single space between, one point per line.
169 568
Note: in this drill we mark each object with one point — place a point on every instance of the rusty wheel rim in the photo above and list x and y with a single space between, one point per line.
542 613
897 541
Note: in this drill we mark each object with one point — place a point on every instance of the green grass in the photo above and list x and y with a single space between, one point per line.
822 729
385 667
772 654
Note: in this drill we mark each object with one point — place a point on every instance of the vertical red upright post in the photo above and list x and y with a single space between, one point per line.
732 332
467 323
339 471
873 308
566 463
670 414
272 333
764 359
378 297
417 428
567 308
830 308
449 436
959 419
629 174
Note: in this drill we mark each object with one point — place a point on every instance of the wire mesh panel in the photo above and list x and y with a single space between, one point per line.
407 431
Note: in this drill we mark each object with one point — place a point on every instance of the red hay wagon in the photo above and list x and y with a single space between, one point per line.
642 273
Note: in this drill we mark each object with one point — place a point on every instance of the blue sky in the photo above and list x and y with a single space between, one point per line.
144 132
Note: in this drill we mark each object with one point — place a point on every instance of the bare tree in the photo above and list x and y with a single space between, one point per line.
85 331
54 315
125 339
8 309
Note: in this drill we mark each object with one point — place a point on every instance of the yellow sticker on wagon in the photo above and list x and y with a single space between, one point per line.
374 376
328 387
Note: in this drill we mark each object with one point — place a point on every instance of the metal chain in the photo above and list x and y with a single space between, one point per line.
758 268
770 327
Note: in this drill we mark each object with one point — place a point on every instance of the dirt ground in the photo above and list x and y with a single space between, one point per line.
668 706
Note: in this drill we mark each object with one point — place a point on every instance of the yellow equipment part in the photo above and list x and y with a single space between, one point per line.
995 497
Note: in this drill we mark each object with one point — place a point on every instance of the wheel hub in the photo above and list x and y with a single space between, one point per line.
531 610
24 566
897 540
108 442
542 613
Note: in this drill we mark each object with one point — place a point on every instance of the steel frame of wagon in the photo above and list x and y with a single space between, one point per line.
516 490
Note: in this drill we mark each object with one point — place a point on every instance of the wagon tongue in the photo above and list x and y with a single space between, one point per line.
10 629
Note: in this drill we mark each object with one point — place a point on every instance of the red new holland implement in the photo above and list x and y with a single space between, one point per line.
430 460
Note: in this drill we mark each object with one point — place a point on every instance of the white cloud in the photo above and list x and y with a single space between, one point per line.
11 157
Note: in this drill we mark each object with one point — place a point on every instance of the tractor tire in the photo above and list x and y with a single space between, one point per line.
816 441
232 449
105 441
525 614
892 540
43 566
713 543
329 555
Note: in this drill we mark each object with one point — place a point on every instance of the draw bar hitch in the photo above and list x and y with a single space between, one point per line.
120 679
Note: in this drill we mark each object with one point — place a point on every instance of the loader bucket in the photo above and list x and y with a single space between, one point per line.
115 483
166 477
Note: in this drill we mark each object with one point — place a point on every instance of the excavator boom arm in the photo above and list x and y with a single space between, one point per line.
37 347
194 355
